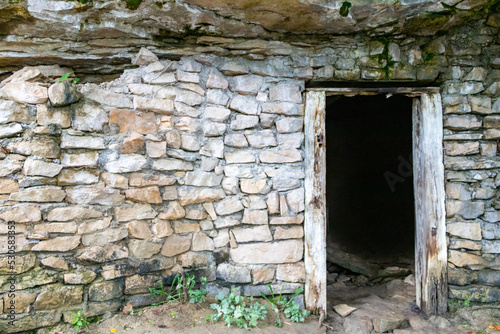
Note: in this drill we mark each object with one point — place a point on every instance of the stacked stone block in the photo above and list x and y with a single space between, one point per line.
155 173
196 165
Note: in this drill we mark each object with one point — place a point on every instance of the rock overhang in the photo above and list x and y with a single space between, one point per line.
106 33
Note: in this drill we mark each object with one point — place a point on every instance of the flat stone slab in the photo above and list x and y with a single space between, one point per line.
344 310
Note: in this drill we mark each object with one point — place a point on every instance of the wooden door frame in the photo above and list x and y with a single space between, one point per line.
430 223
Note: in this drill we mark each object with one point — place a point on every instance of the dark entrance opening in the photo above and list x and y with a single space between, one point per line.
370 203
370 198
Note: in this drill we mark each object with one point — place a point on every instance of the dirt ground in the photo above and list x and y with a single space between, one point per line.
187 319
391 304
383 306
388 303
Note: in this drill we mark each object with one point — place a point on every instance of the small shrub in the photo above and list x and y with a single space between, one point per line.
66 76
81 322
181 290
233 309
290 308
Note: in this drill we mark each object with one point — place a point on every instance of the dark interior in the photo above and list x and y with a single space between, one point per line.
370 198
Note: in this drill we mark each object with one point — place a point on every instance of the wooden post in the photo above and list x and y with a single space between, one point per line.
315 196
430 229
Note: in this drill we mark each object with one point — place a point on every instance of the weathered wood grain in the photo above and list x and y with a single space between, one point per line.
315 213
430 238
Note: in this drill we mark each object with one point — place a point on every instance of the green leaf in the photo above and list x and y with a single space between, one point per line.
344 9
64 77
75 80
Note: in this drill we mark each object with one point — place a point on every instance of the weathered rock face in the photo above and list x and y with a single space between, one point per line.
198 163
112 31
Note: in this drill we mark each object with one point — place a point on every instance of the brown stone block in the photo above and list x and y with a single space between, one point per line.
140 283
145 195
129 120
276 252
176 244
57 295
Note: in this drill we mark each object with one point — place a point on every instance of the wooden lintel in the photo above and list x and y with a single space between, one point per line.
409 91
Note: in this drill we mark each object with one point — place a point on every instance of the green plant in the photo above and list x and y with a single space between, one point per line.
385 58
66 76
132 4
467 303
233 309
181 289
344 9
197 295
173 314
290 308
79 321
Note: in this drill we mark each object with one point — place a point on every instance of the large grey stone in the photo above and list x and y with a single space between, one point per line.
21 214
11 111
191 195
466 209
176 244
217 114
25 92
217 96
160 106
144 57
470 231
217 80
10 130
286 92
242 122
233 274
69 141
39 194
85 159
72 213
261 139
228 206
277 252
249 234
245 104
58 244
89 118
126 163
247 84
104 237
143 249
46 147
280 156
135 212
103 254
62 94
105 97
172 164
40 168
202 179
282 108
94 195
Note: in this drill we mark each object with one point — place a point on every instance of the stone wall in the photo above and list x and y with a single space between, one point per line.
197 165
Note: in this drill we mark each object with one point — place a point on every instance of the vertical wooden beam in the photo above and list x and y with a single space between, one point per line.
315 196
430 229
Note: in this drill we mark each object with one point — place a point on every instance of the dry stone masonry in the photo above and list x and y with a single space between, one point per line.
196 164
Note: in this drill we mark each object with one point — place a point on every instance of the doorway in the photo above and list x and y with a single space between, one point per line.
369 177
428 190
